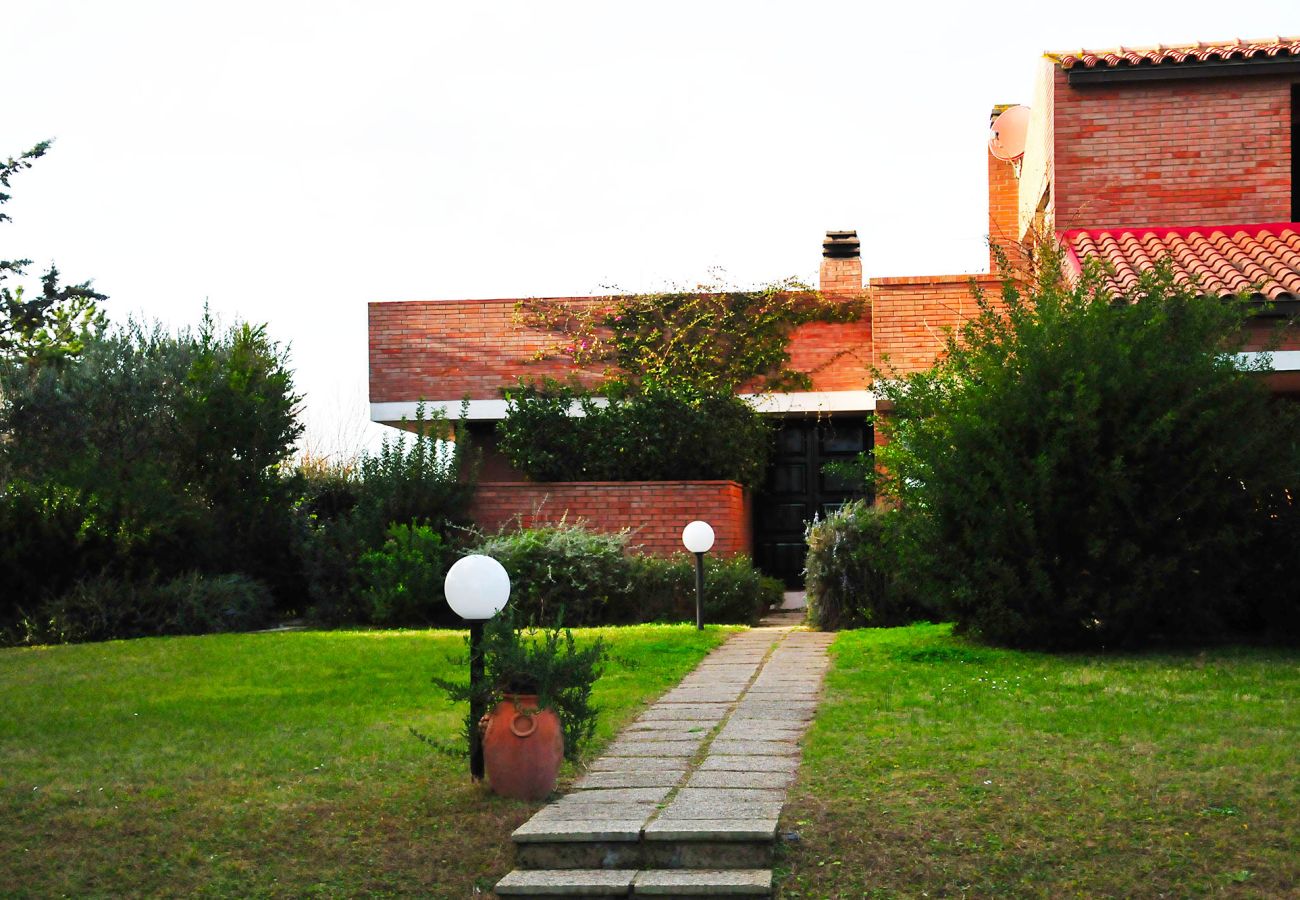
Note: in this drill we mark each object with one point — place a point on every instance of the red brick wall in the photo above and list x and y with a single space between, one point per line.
1004 210
911 316
449 349
1184 152
656 510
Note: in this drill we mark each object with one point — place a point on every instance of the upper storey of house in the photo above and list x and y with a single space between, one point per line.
1183 136
446 351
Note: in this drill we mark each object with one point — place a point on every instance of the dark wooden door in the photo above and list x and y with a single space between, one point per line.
799 489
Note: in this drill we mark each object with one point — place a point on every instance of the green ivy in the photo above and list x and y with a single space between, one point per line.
710 341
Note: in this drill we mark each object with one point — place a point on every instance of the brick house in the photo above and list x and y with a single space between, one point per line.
1130 155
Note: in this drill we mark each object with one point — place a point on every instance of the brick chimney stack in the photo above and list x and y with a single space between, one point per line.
1004 203
841 263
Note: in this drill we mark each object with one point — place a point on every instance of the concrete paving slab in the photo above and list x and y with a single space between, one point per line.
723 763
685 712
751 729
679 810
560 831
566 883
703 779
703 883
711 829
668 726
627 780
660 749
719 694
639 764
616 795
577 812
690 795
755 748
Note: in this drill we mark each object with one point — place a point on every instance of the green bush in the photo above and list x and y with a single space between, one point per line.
735 593
1090 471
401 582
585 574
108 607
177 439
652 435
346 511
855 570
594 580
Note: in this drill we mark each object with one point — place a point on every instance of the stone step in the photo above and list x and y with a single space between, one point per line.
680 884
663 844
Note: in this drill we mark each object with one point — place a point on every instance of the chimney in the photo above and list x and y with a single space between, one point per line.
841 263
1004 202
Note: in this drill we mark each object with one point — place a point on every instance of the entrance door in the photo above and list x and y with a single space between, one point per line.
799 489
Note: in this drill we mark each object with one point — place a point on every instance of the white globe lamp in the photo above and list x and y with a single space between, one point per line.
477 587
698 538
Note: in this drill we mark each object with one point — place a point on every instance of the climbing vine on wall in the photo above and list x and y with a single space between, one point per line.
673 364
710 341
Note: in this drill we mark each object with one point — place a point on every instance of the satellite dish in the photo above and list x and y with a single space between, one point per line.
1007 133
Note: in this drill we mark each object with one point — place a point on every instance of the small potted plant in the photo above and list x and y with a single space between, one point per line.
538 691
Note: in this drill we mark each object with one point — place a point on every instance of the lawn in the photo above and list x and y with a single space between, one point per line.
266 764
941 768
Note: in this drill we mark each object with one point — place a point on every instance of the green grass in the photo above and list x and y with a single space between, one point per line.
941 768
266 764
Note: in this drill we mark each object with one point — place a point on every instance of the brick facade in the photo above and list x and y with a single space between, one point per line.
911 317
658 510
1169 153
450 349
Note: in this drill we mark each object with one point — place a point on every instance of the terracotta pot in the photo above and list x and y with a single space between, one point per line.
523 747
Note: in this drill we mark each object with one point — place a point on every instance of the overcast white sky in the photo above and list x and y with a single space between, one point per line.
287 162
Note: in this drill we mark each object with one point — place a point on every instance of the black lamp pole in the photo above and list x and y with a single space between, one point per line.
699 591
476 710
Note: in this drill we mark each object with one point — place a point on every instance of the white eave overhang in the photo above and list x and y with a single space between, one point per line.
819 402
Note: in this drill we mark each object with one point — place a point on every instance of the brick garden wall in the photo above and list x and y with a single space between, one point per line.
656 510
1169 153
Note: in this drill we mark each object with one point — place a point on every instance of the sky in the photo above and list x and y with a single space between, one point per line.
288 162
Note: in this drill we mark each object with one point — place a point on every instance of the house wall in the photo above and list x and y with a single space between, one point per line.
659 510
450 349
912 316
1170 153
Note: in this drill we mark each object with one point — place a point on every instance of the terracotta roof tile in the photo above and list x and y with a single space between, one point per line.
1199 52
1262 260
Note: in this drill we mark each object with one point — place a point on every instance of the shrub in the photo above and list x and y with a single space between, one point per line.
347 509
652 435
594 580
735 593
401 582
109 607
566 568
200 604
49 534
855 570
1089 471
178 438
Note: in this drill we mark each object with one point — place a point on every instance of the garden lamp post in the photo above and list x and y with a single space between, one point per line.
477 588
698 538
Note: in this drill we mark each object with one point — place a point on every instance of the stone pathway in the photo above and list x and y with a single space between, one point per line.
685 802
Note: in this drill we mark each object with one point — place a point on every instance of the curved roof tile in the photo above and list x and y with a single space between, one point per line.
1199 52
1263 260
